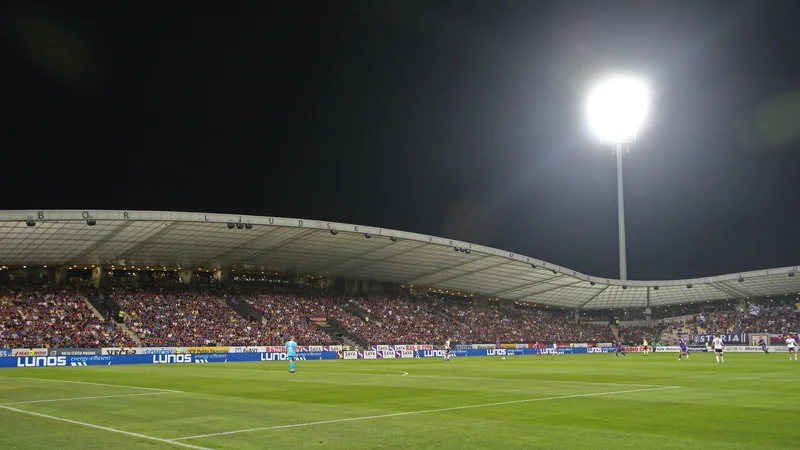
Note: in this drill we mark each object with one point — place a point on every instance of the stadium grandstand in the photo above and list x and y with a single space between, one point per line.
175 278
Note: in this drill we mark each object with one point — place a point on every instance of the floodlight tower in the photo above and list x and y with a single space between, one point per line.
617 109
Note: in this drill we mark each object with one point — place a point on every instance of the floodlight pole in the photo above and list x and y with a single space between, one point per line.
619 148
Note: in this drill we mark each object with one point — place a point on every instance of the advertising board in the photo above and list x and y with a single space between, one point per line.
668 349
162 358
74 351
29 352
254 349
748 349
733 338
208 350
138 351
412 346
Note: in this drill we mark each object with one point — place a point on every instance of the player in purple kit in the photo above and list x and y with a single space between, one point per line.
620 349
763 345
684 351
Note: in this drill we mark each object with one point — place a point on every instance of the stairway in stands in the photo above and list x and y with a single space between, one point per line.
130 333
450 317
357 311
338 331
121 326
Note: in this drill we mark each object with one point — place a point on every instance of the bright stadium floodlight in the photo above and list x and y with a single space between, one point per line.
617 109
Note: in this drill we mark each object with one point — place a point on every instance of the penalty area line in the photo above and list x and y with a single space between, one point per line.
86 398
425 411
98 427
91 384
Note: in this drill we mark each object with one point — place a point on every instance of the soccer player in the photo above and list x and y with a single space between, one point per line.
645 344
416 350
684 351
619 349
291 353
719 345
763 345
447 350
555 348
791 343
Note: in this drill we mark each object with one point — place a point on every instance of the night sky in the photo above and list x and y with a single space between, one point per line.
460 118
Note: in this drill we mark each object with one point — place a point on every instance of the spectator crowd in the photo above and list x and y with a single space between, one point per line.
767 317
286 315
637 335
164 312
175 317
43 317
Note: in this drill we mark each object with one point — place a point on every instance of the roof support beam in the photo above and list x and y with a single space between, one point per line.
88 252
525 285
273 247
347 259
728 290
594 297
460 275
132 250
409 250
442 270
240 247
555 288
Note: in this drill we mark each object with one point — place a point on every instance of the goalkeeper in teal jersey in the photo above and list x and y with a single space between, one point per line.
291 353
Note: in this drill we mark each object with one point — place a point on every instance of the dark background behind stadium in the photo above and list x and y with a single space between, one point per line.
455 118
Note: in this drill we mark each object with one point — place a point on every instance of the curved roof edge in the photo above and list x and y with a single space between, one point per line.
132 215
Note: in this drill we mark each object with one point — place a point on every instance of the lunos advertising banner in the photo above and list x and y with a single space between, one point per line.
164 358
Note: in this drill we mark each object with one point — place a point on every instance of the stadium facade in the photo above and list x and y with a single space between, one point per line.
358 257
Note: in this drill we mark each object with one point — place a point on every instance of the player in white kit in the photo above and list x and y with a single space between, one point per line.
791 343
718 345
447 350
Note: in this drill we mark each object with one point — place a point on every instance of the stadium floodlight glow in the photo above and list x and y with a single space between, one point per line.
616 110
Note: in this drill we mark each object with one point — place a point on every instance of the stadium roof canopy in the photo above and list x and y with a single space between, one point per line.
301 246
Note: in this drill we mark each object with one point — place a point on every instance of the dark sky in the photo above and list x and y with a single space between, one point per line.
455 118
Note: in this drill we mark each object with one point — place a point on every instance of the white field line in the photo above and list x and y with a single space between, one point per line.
84 398
537 380
410 375
425 411
113 430
92 384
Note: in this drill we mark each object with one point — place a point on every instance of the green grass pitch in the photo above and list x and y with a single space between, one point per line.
523 402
